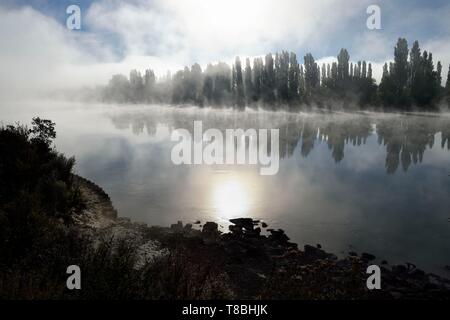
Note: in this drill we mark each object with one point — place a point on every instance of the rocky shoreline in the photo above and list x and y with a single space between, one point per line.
245 264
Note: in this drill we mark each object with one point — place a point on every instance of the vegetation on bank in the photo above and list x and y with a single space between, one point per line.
39 203
279 81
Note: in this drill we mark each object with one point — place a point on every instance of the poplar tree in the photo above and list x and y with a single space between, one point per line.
294 76
248 84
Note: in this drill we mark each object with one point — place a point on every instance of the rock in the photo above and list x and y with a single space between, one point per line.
188 227
314 253
278 235
197 222
210 227
237 230
367 256
210 233
319 246
399 269
436 281
264 225
246 223
417 273
177 227
384 262
253 233
410 266
352 254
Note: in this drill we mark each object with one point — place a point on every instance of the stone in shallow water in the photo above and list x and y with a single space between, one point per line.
246 223
253 233
235 229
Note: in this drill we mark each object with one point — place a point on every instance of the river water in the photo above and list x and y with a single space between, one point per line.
370 182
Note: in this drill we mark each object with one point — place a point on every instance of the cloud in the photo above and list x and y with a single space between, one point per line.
39 53
441 52
374 45
201 31
33 50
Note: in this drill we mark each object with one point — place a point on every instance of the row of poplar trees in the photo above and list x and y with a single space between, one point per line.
276 81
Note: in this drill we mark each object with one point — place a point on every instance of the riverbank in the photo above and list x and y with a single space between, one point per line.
244 264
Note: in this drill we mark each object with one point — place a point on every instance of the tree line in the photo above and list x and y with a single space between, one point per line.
277 81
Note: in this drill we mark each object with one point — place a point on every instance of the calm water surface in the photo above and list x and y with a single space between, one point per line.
352 182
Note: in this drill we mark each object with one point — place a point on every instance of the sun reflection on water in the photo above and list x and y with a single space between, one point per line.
230 197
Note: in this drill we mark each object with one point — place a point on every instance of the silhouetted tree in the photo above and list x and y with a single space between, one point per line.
208 85
282 76
149 85
238 84
447 87
364 70
342 69
268 81
439 78
312 78
258 72
248 84
387 89
294 76
137 86
400 74
118 89
301 84
196 85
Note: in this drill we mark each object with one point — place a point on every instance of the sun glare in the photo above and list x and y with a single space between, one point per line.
230 198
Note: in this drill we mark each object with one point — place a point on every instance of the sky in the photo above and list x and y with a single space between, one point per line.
38 51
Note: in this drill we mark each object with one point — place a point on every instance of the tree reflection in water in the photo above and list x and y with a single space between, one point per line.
405 137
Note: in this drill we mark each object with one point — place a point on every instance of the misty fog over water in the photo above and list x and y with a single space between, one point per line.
352 182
